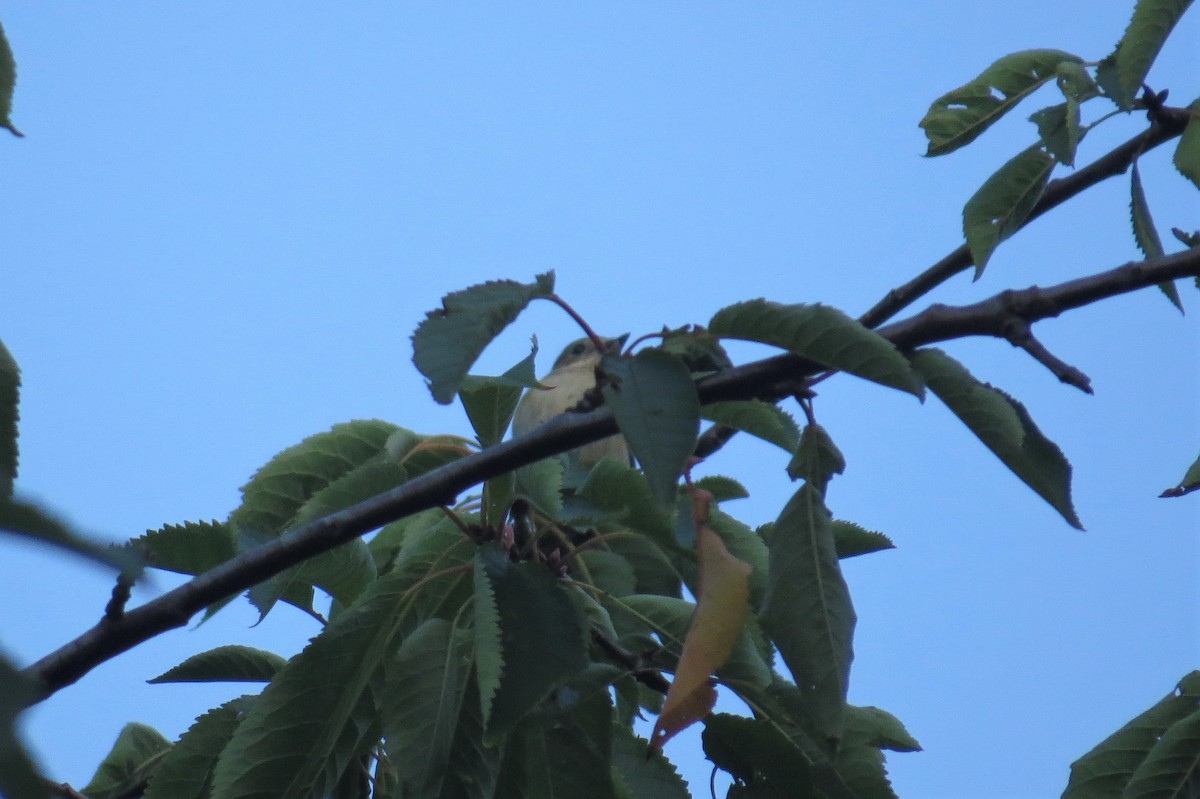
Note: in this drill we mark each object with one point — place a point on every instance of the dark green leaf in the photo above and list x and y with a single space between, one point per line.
1171 770
622 492
807 612
878 728
817 458
1146 234
850 540
607 571
758 418
757 753
721 487
1122 73
530 626
642 772
1075 82
820 333
188 548
185 772
450 339
10 395
231 663
1104 772
490 401
131 761
30 521
19 778
1002 204
1058 127
654 400
958 117
320 712
8 81
1004 426
541 484
564 757
1187 152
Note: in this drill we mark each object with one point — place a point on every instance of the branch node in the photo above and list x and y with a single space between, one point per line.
1019 334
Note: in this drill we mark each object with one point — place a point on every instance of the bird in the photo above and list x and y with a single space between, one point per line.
571 377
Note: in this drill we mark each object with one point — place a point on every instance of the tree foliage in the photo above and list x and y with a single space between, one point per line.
512 612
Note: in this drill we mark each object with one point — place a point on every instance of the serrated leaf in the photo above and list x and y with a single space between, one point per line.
762 419
851 540
29 520
722 605
619 490
541 484
188 548
541 640
607 571
185 772
722 488
1146 234
421 706
1171 769
450 339
231 663
1075 82
8 82
1187 151
642 771
1003 202
566 757
817 458
807 612
1059 130
1122 73
1004 426
320 712
958 117
758 754
10 395
132 759
860 760
879 728
820 333
490 401
19 777
654 400
1105 771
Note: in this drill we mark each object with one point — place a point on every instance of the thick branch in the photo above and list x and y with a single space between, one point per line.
760 379
1169 123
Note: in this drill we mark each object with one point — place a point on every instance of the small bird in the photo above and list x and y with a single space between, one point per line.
573 375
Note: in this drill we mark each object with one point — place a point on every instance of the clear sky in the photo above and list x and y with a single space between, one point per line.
227 218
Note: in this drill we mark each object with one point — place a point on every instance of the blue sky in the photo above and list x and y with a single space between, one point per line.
226 219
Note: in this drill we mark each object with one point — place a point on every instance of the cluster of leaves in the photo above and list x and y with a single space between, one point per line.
507 645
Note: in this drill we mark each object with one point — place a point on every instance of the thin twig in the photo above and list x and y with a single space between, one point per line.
1020 335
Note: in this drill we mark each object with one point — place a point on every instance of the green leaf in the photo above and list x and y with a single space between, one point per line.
758 418
185 772
421 707
641 771
320 712
564 757
132 759
878 728
1172 767
1002 204
1122 73
1145 233
1058 127
231 663
1004 426
451 338
607 571
621 491
8 81
188 548
817 458
958 117
28 520
10 395
820 333
19 778
1187 152
541 484
1104 772
530 628
654 400
851 540
721 487
758 754
490 401
807 612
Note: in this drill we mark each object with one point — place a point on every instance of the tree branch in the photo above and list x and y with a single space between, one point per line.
1168 124
760 379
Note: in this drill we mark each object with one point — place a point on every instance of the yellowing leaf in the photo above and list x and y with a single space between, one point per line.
722 605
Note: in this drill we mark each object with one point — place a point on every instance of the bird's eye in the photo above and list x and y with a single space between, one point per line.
579 349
